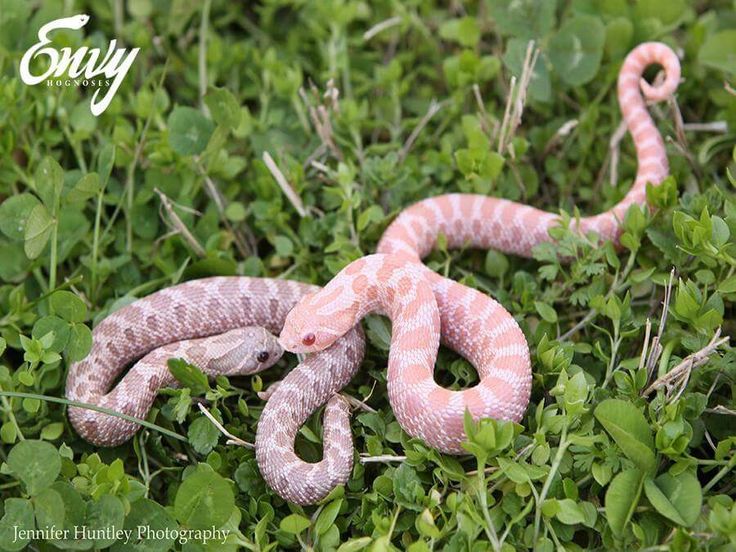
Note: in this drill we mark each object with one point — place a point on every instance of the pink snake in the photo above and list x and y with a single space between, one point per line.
184 321
424 307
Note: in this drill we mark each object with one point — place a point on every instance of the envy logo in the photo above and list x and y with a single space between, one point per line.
80 71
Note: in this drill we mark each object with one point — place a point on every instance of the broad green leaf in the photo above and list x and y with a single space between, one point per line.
105 162
59 329
667 12
720 232
155 520
619 32
294 524
14 213
82 121
284 246
189 131
728 285
37 231
576 50
35 463
86 188
496 264
49 182
354 545
67 305
189 376
372 214
224 107
327 517
464 31
106 512
426 526
80 342
576 392
523 19
74 516
204 500
569 512
8 433
52 431
678 498
622 497
236 212
408 487
719 51
18 517
248 477
629 428
547 312
203 435
49 509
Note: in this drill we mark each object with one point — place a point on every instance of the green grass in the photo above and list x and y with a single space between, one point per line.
363 108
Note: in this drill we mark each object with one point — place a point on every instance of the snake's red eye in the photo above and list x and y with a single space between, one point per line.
308 340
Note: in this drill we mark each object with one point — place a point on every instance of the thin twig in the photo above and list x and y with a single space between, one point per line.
581 324
332 93
316 154
614 146
506 116
289 192
321 120
516 100
714 126
357 403
434 107
656 347
679 123
681 372
232 439
644 349
381 458
561 133
244 240
202 55
720 409
485 119
382 26
527 72
321 167
178 225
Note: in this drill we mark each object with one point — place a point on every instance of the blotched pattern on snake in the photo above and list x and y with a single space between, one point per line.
471 323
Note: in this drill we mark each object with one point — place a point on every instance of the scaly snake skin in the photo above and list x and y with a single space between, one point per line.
471 323
423 306
173 323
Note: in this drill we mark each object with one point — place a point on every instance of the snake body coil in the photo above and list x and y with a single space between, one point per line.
424 306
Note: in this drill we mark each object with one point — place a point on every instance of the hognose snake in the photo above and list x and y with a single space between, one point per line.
393 282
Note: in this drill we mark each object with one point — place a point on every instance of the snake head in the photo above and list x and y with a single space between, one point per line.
314 324
245 351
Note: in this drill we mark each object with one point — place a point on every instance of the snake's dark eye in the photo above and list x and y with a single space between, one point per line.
308 339
262 356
